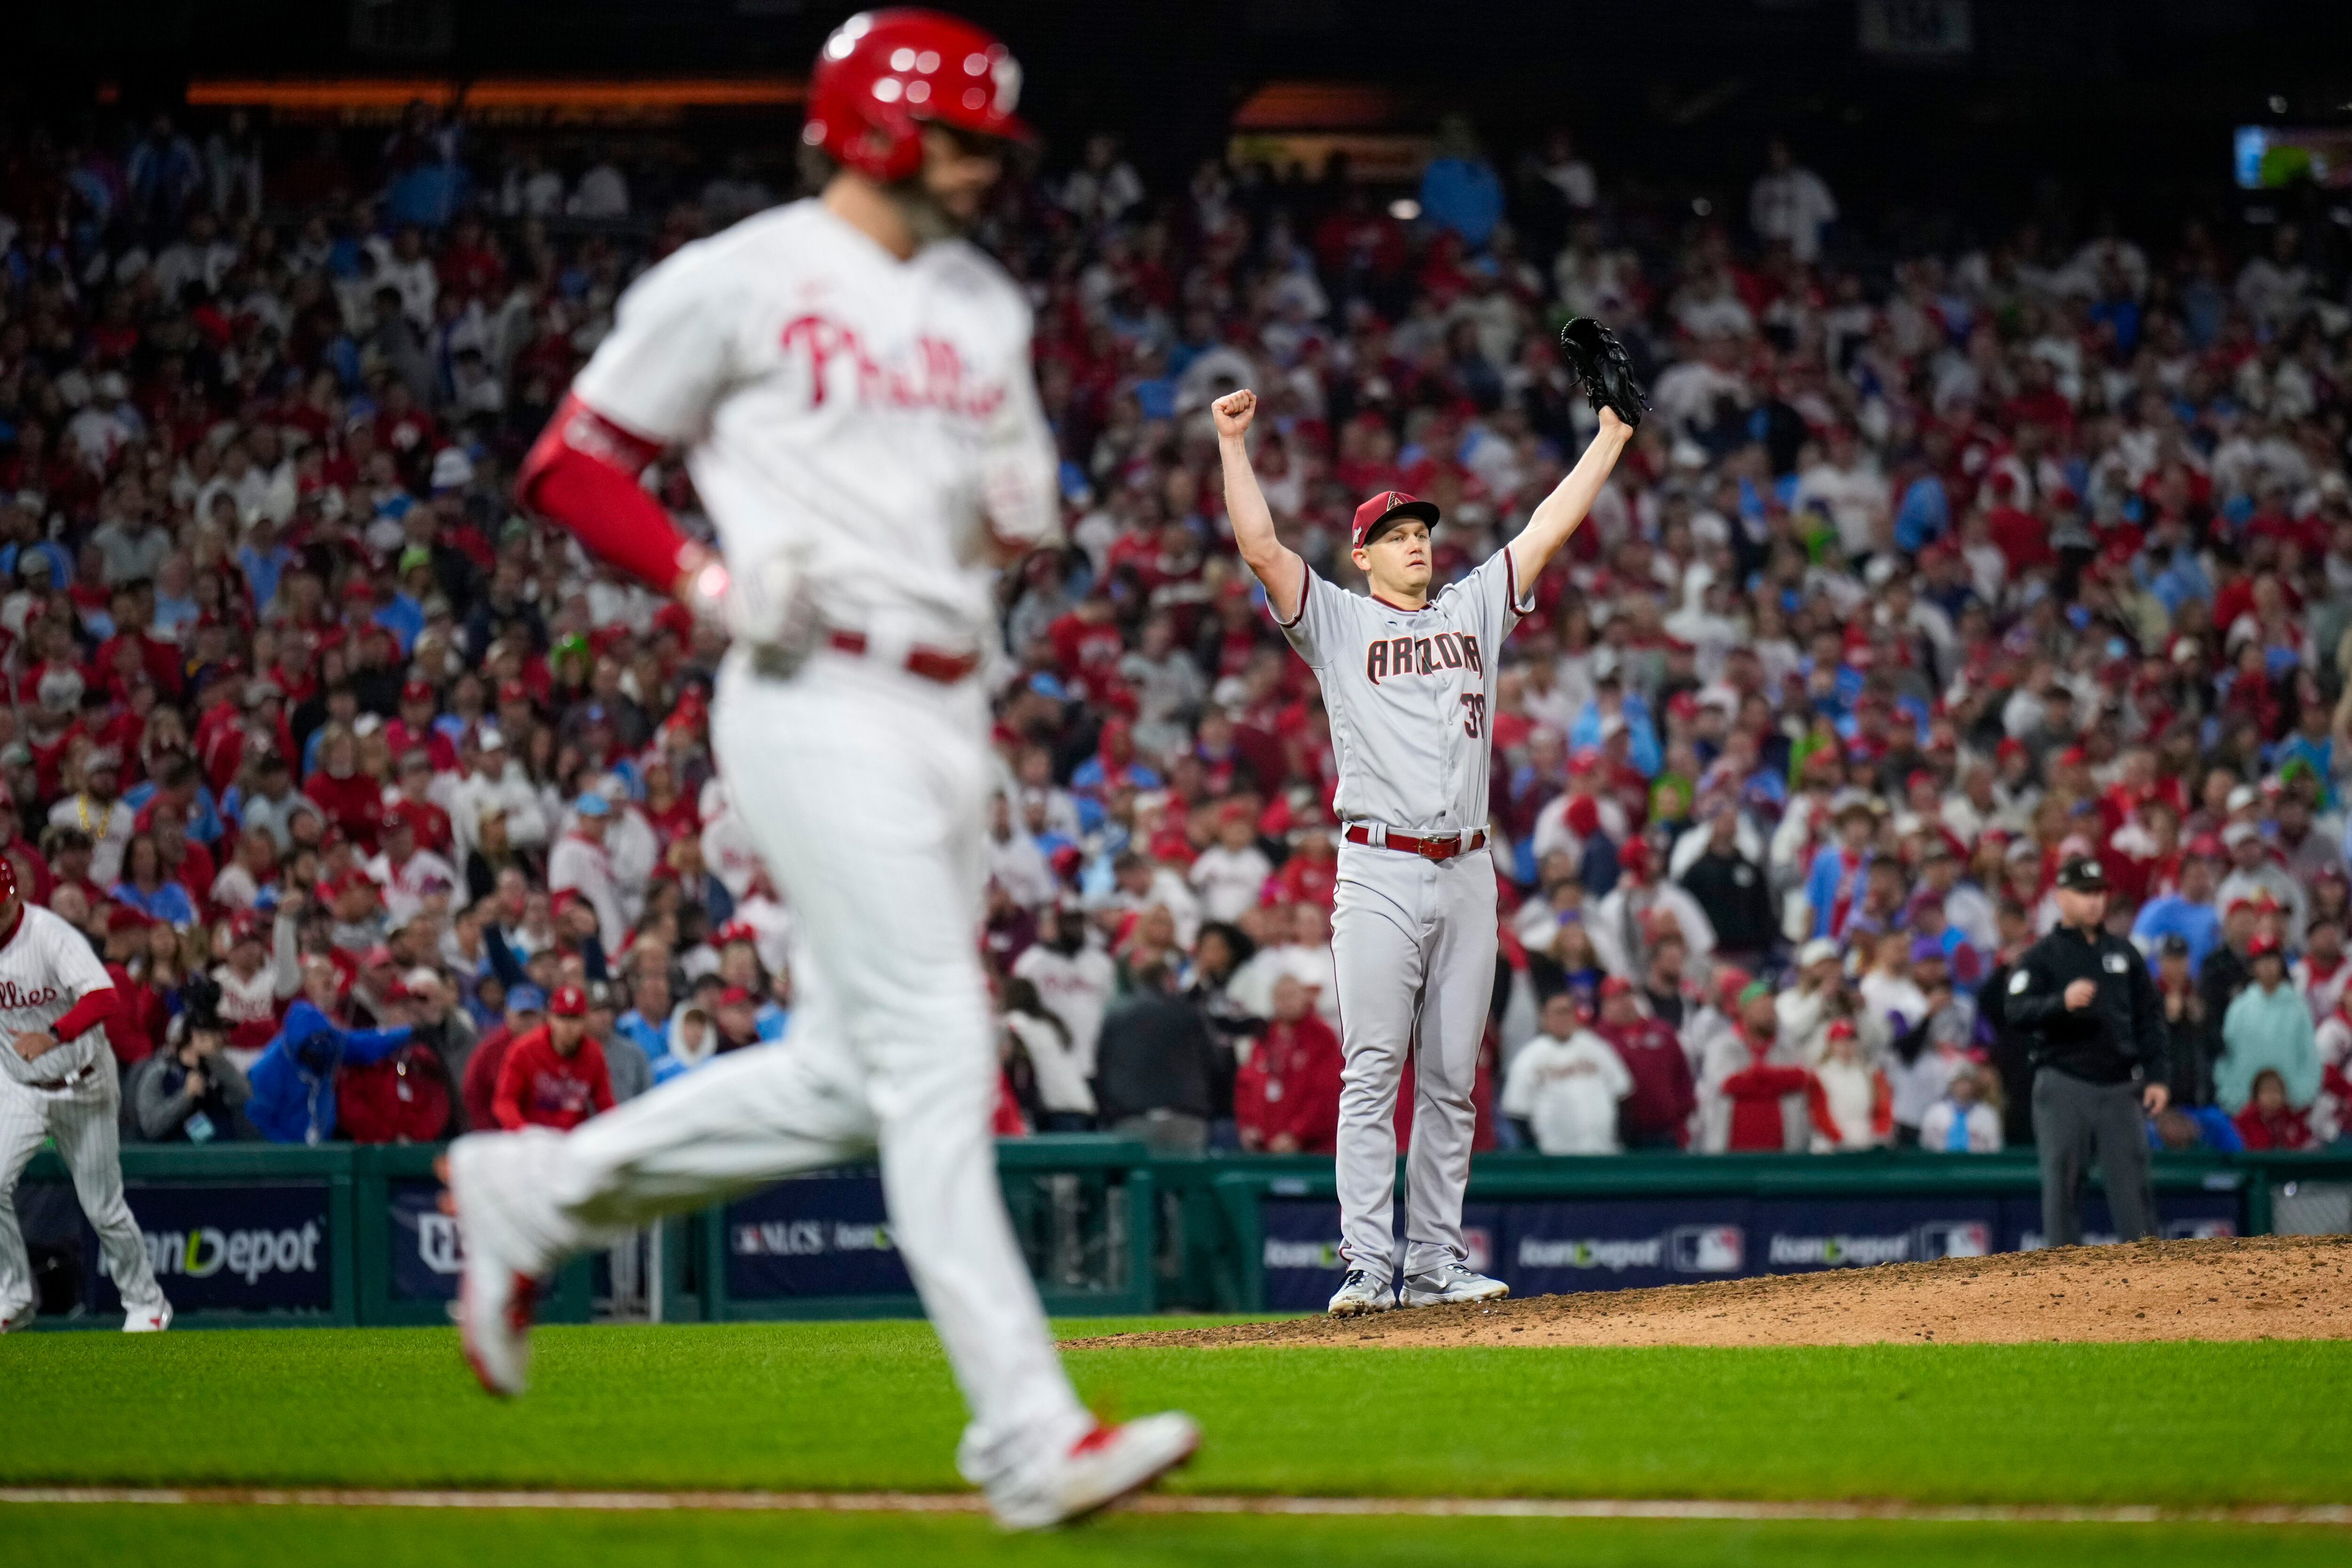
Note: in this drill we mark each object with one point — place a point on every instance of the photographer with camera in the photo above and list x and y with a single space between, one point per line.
189 1092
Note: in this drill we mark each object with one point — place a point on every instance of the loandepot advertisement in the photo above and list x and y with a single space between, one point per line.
250 1248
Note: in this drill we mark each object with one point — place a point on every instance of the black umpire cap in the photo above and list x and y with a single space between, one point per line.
2083 874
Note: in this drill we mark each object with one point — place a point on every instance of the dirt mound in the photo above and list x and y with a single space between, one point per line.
2259 1287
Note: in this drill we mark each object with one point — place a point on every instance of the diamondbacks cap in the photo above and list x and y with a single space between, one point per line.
2083 874
1389 507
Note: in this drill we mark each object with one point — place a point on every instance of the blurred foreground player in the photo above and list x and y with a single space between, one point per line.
58 1080
851 383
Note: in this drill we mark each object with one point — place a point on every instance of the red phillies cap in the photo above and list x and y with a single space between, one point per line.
513 691
2264 941
1841 1030
1615 986
735 996
568 1001
1388 506
417 691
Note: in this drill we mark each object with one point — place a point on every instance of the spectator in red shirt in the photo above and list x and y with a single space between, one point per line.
526 1010
1286 1096
555 1075
1656 1115
2268 1123
1757 1090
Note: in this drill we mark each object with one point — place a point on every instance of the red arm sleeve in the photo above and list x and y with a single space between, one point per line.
100 1006
507 1103
1817 1106
583 472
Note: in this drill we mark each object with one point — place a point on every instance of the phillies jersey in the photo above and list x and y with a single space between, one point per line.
47 966
1408 693
868 420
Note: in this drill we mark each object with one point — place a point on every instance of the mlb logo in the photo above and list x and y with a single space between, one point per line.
1955 1238
1710 1249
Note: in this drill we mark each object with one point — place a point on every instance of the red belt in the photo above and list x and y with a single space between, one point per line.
1444 848
931 663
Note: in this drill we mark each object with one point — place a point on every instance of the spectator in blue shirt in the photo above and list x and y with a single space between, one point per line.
294 1082
1459 190
2190 913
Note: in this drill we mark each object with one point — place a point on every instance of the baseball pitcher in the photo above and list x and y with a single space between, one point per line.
58 1080
1408 679
850 384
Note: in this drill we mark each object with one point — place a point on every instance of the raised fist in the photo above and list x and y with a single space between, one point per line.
1234 412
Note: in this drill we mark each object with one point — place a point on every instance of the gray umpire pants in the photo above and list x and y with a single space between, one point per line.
2073 1120
1414 942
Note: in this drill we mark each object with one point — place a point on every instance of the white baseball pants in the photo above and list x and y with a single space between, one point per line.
82 1119
1413 940
866 790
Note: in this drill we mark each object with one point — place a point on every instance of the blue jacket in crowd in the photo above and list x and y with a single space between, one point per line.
294 1081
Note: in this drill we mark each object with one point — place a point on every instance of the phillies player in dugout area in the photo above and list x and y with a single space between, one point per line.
850 382
1408 679
58 1080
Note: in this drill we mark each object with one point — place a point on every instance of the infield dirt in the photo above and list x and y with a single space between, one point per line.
2260 1287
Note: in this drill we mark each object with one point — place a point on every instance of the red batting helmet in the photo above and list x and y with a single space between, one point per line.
884 73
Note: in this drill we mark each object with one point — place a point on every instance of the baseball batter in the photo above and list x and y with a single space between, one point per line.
851 385
58 1080
1408 679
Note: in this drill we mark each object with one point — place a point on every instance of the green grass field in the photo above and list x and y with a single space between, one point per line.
869 1406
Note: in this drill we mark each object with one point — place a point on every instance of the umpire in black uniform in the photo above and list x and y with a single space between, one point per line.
2082 999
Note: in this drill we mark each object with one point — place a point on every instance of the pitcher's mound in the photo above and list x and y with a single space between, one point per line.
2260 1287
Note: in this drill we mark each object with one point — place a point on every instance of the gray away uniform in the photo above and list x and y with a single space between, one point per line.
1407 693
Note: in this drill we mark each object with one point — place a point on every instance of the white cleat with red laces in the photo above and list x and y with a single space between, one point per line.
495 1296
1105 1465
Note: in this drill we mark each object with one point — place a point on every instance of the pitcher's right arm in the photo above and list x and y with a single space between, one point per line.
1276 564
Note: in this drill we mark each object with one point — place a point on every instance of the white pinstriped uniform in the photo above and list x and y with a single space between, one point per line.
69 1093
874 420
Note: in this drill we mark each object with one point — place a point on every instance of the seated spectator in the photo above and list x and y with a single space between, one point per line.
1565 1087
1286 1095
2183 1130
554 1076
526 1010
625 1063
1960 1123
2267 1027
1848 1101
1154 1066
293 1098
1655 1113
190 1092
2269 1124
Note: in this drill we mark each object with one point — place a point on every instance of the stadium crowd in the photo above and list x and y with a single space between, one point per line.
392 815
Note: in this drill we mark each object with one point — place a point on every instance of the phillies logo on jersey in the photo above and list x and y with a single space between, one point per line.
13 996
935 378
1386 657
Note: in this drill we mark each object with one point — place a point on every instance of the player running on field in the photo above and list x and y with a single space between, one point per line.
851 384
58 1080
1407 678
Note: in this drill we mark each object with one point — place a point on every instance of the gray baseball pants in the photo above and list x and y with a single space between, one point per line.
82 1119
2072 1120
1413 940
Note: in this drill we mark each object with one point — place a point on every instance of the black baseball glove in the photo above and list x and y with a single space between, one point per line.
1599 362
